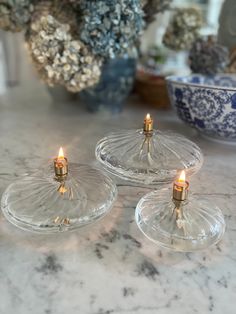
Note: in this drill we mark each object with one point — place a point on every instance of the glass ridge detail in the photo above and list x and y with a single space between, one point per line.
194 225
41 203
149 160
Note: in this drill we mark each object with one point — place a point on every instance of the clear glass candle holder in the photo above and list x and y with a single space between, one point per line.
42 203
144 159
192 225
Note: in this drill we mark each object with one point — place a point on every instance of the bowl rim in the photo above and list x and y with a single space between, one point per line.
175 79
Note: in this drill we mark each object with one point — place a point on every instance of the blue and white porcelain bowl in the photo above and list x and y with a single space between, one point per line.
206 103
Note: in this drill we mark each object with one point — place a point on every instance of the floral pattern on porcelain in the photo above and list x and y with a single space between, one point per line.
206 103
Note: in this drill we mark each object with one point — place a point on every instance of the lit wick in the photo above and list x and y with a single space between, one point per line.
60 165
180 188
148 125
147 131
180 194
61 171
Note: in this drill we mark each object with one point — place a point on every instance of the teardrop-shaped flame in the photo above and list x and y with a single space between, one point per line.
182 177
61 154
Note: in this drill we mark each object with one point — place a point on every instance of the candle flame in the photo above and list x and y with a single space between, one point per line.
148 116
61 153
182 177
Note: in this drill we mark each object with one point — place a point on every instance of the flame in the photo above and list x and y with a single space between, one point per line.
61 154
182 177
148 116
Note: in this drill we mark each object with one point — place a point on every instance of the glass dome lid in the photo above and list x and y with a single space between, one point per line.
148 156
60 198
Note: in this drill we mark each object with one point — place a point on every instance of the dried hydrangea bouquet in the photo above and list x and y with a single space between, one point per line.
72 42
206 55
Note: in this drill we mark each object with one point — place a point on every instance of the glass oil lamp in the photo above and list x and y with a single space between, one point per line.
178 220
59 197
148 156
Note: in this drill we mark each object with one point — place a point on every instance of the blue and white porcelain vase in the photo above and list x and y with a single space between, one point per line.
114 87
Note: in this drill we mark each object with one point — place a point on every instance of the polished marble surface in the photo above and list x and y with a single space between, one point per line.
108 267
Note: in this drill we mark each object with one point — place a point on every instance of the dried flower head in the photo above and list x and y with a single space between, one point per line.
61 10
111 27
59 58
152 7
15 14
208 57
183 29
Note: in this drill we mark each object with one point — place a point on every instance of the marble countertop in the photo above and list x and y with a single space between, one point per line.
109 267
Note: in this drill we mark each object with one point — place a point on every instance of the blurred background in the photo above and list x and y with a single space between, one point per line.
15 66
210 10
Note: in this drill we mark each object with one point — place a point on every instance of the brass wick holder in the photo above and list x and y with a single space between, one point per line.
180 194
60 168
148 132
148 127
61 172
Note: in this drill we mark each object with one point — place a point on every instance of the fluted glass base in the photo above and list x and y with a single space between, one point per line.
132 156
40 203
195 225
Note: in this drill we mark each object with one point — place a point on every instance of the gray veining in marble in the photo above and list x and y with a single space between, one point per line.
109 267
